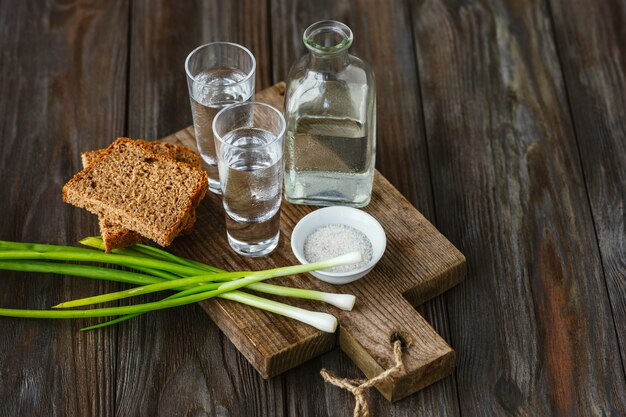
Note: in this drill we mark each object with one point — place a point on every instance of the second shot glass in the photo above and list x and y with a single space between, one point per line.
249 141
218 75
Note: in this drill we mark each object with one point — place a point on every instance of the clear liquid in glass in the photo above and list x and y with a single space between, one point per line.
214 89
251 186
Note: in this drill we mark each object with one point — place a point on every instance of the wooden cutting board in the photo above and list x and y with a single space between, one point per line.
419 264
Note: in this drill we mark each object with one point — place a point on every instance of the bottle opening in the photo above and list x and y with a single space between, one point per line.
327 36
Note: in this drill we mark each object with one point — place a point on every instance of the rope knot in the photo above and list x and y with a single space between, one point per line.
358 386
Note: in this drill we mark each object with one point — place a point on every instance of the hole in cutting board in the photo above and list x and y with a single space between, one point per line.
405 339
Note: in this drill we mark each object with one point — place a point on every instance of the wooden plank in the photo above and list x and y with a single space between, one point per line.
177 362
419 264
532 323
382 36
62 89
592 49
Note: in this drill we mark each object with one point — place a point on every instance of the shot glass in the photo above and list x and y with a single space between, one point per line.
218 75
249 141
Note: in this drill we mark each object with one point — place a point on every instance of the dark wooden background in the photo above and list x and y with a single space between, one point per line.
504 122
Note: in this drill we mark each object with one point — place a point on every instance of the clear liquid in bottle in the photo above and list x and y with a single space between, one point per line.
330 135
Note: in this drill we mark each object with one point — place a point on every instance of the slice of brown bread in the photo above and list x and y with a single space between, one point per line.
116 236
139 190
178 152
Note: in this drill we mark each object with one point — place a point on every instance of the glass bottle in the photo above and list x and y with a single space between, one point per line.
330 108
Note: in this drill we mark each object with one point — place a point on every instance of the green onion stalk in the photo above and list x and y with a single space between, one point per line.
161 270
342 301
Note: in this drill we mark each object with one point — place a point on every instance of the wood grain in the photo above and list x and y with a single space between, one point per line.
419 263
382 37
590 38
62 86
532 323
511 139
178 363
157 73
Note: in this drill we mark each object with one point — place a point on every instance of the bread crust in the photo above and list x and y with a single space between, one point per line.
180 153
100 207
115 236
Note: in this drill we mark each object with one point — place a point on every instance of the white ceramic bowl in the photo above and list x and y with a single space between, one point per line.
348 216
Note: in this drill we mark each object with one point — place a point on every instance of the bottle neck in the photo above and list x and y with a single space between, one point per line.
328 43
329 62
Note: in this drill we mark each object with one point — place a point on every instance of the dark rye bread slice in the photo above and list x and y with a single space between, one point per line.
115 236
132 186
178 152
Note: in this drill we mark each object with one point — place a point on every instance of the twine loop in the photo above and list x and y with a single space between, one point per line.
358 386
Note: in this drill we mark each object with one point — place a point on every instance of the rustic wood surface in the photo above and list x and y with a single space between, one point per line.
419 264
501 121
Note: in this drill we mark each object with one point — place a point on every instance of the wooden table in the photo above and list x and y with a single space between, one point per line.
504 122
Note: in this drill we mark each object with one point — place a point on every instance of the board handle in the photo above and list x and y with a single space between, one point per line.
367 335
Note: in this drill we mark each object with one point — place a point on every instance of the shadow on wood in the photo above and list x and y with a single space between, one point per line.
419 264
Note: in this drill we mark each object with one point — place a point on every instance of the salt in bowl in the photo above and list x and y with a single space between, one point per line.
348 216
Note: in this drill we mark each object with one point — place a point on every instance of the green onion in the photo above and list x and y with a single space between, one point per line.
246 278
162 304
342 301
149 251
162 270
321 321
95 256
39 247
85 271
